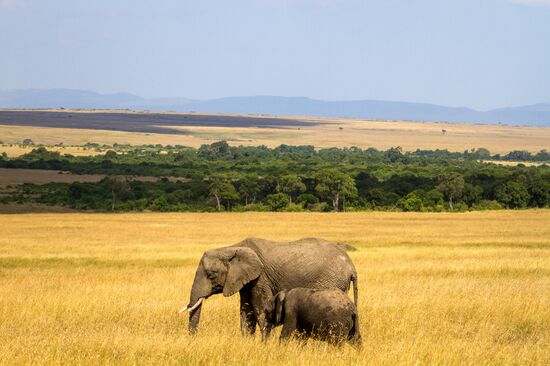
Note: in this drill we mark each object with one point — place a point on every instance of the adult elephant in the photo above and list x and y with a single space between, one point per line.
259 269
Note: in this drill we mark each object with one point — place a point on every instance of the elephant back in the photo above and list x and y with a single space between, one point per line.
308 262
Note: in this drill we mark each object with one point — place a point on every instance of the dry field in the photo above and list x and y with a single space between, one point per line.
41 176
310 131
16 150
515 163
449 288
385 134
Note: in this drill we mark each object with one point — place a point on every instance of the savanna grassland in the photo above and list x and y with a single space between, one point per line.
435 288
75 150
195 129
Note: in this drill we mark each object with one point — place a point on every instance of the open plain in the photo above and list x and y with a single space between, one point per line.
135 128
435 288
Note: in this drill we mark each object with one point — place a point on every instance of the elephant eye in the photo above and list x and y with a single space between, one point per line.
211 274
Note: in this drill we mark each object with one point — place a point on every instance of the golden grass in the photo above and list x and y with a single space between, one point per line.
17 150
329 133
72 136
385 134
448 288
515 163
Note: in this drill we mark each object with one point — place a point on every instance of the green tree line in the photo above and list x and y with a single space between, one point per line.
287 178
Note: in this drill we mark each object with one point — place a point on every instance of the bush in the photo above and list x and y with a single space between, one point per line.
460 207
277 201
160 204
294 207
487 205
110 154
320 207
440 207
410 203
252 207
137 205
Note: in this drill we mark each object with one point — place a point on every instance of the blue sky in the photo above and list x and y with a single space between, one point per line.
477 53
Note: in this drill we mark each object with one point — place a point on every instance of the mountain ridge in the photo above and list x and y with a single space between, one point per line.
529 115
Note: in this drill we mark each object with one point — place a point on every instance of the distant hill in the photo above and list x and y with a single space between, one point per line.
70 98
533 115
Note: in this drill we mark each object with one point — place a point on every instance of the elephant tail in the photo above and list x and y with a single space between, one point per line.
355 289
354 334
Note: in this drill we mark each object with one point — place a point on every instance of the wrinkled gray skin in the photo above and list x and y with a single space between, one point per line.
258 269
327 315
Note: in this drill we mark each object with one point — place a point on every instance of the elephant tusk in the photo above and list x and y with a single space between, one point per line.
187 308
197 304
183 310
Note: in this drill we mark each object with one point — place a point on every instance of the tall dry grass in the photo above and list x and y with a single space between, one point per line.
471 288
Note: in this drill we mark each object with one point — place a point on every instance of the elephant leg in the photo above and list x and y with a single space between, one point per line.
248 317
289 326
264 326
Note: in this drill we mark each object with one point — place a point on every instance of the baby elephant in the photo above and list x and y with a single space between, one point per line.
327 315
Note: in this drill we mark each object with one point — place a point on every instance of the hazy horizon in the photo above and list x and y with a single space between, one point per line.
482 54
183 97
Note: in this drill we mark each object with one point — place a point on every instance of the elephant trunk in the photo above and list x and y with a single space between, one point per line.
194 317
201 289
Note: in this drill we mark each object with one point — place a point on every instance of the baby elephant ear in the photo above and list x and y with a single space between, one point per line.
279 307
244 266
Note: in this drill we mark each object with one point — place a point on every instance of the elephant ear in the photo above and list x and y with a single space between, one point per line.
279 307
243 267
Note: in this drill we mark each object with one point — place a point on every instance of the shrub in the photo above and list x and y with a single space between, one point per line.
257 207
460 207
277 201
487 205
159 204
294 207
252 207
410 203
320 207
